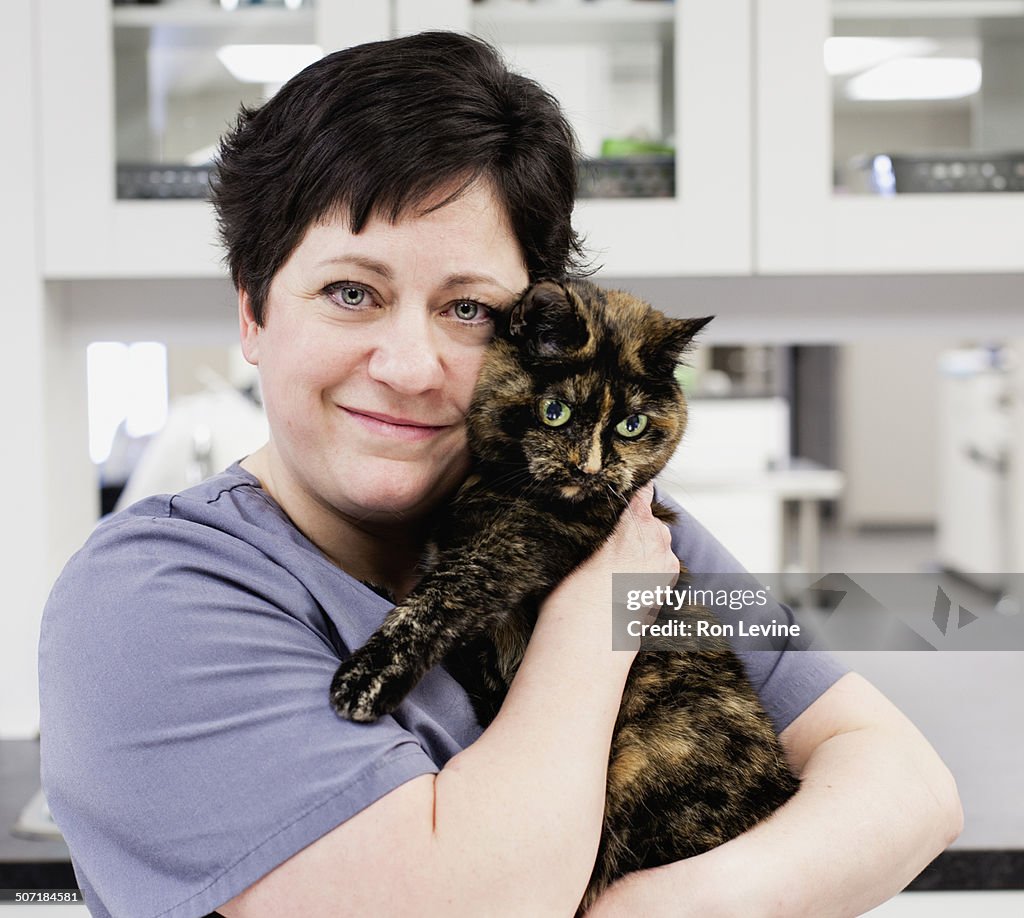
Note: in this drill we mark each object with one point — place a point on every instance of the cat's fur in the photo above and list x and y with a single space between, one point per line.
694 759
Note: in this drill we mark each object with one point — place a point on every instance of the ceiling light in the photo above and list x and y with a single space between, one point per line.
267 63
917 78
849 54
231 5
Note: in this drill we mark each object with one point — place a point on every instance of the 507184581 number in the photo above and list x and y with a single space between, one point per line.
40 895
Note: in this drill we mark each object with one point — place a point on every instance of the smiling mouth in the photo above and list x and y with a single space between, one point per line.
397 428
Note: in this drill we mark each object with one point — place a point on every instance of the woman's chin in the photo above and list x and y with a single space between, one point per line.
401 493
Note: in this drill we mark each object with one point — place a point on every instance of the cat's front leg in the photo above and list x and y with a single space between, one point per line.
377 676
369 684
447 609
473 585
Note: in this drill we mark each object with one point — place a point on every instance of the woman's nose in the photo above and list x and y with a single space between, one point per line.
406 357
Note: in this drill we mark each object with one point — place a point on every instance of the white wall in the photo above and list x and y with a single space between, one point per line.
50 498
23 546
1017 464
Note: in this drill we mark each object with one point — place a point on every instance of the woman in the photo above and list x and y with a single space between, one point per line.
376 212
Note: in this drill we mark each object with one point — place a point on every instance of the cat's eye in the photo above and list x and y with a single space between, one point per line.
553 412
632 427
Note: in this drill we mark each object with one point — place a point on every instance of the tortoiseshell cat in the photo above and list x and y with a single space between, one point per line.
576 408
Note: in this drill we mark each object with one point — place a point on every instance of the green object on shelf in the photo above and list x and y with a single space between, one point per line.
686 377
624 146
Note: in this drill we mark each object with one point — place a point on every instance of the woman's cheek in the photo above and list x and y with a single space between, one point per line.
469 370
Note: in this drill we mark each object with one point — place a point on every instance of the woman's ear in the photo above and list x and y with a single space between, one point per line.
248 328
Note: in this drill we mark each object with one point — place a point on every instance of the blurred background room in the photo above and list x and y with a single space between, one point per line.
839 182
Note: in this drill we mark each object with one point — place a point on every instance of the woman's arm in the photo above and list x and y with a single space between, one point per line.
876 805
511 824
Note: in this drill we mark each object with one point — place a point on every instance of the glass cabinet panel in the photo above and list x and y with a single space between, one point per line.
928 97
181 70
611 65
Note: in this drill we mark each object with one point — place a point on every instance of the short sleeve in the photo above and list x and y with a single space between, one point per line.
787 680
188 744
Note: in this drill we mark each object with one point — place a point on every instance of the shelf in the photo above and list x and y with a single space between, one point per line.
927 9
607 11
204 13
618 20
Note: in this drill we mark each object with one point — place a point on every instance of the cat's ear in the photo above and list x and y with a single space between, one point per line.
548 320
675 340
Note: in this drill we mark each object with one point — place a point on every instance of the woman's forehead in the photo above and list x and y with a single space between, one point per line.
469 235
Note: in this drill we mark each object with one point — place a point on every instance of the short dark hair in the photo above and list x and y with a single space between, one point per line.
380 128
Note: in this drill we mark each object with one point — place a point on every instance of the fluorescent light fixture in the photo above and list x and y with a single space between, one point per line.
851 54
233 4
267 63
917 78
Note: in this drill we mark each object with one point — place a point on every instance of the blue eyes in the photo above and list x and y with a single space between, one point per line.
354 296
348 296
467 310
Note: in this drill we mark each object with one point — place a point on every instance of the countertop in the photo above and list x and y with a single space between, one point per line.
29 864
24 863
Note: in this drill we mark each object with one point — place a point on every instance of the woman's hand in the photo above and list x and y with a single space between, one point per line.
639 544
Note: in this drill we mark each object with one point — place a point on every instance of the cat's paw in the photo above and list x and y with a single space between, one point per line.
363 692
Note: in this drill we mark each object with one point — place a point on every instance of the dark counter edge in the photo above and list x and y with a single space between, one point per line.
956 870
972 869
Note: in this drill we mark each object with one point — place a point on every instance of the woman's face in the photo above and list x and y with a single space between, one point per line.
369 352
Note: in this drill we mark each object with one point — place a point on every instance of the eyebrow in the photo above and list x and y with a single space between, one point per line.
370 264
466 280
383 270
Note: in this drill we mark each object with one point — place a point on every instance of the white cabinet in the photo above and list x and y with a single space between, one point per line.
705 228
758 126
88 232
805 224
704 48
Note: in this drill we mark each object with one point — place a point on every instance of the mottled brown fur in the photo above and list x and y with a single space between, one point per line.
694 759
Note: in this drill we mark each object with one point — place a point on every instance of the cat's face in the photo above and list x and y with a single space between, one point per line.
578 394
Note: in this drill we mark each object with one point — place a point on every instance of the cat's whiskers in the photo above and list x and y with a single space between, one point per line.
621 497
624 500
611 503
675 478
513 476
494 534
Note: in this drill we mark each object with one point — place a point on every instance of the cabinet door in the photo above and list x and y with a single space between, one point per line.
144 85
703 226
636 76
909 155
